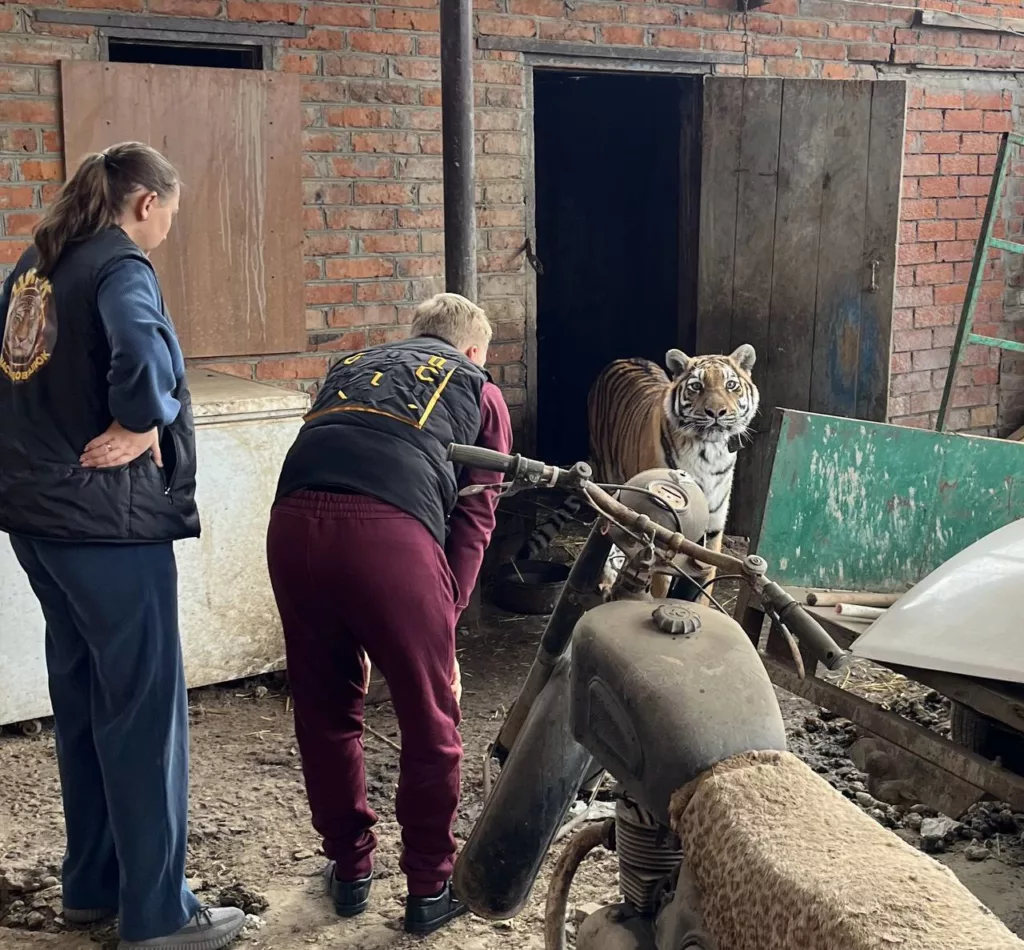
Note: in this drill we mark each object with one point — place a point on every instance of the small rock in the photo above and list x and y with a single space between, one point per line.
936 833
35 921
252 922
864 800
913 821
976 852
301 855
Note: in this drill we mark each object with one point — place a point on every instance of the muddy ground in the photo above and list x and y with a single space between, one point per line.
251 841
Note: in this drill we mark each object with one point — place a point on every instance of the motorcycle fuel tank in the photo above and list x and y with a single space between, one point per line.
662 690
966 617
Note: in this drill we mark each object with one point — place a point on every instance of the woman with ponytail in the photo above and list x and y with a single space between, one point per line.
97 480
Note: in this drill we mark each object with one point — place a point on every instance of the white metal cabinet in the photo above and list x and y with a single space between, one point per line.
229 622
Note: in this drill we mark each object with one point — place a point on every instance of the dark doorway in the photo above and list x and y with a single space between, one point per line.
618 204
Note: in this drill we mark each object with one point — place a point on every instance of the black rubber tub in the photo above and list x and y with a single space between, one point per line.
528 587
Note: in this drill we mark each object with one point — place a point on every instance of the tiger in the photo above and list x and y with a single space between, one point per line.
641 418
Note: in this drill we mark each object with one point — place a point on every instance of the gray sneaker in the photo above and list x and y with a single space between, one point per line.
210 929
83 918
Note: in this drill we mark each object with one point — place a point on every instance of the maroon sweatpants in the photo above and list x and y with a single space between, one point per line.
351 573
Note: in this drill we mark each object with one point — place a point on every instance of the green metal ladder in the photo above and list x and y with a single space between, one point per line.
964 334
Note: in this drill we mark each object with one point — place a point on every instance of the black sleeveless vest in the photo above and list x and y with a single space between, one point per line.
53 401
381 425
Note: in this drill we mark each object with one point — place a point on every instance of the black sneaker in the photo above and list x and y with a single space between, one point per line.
350 897
424 915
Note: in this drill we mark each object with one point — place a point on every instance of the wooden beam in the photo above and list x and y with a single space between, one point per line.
929 751
964 21
517 44
173 24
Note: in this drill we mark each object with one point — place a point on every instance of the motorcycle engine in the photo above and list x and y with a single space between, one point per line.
659 910
649 856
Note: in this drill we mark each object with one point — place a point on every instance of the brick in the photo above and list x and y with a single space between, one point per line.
812 49
330 14
384 194
911 382
916 210
17 80
926 317
838 71
505 26
870 52
932 274
955 251
362 167
377 315
913 297
977 185
925 120
362 219
958 164
11 250
420 266
383 290
569 32
295 367
16 196
359 268
943 99
940 142
544 8
763 25
775 47
959 120
327 244
850 31
256 10
703 20
123 6
925 402
985 375
424 20
979 143
21 224
28 111
905 55
983 100
384 43
953 294
796 68
301 63
953 58
958 208
41 170
939 188
634 36
998 122
398 243
319 294
983 416
916 253
360 117
388 142
900 363
725 41
908 232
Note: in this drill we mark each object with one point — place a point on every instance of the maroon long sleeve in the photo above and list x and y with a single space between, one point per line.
472 521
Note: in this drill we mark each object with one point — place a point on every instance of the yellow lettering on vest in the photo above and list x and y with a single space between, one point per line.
412 405
377 377
341 395
349 360
426 374
437 361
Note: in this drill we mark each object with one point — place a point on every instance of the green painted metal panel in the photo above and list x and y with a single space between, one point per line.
868 506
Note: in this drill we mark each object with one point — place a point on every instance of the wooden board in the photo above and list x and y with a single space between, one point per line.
812 170
867 506
231 269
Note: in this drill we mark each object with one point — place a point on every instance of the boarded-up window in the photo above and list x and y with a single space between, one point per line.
231 269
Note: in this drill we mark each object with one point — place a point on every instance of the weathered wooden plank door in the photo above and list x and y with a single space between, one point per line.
799 221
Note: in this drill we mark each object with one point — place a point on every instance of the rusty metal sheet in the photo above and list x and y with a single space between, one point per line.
871 506
231 269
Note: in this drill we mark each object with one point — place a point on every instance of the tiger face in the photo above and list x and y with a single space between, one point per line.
712 398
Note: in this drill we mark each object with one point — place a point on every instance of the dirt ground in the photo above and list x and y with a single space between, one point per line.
251 842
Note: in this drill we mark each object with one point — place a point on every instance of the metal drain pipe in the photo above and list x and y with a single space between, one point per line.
457 142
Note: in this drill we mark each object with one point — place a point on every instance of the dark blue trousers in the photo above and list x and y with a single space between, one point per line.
117 687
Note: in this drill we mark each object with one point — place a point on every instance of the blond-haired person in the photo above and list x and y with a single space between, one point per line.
373 554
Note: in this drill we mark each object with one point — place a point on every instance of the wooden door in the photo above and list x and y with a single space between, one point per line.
799 221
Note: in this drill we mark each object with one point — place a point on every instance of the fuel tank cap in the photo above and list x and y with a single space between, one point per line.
676 618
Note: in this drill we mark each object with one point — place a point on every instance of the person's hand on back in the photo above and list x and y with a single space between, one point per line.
119 446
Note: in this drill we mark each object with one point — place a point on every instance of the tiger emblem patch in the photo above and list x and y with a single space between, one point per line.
30 332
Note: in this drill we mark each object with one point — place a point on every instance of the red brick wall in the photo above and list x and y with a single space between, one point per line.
372 175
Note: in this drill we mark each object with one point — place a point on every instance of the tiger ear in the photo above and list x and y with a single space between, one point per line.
744 356
677 362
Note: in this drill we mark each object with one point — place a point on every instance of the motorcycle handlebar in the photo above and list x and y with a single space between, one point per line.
800 623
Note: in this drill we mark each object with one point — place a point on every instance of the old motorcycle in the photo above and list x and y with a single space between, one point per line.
724 840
